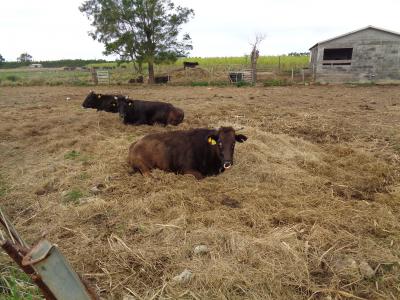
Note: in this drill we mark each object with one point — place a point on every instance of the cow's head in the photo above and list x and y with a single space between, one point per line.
222 142
111 104
92 100
175 116
124 104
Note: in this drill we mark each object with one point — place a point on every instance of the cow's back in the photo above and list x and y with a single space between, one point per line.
175 151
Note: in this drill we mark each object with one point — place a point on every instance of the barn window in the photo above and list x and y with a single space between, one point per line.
337 56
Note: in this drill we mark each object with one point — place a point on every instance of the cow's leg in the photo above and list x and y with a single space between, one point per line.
195 173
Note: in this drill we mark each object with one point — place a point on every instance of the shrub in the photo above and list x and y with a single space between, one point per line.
12 78
36 81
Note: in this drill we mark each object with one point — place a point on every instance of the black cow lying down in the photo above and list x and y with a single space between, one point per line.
107 103
199 152
187 64
140 112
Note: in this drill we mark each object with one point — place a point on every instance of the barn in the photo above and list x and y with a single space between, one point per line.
365 55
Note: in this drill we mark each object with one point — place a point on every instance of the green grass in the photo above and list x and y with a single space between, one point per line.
119 75
73 196
72 154
276 82
16 285
243 83
199 83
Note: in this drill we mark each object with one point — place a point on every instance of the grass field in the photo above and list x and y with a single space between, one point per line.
211 68
286 62
310 209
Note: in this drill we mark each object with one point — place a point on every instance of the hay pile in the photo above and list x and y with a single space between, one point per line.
197 74
310 207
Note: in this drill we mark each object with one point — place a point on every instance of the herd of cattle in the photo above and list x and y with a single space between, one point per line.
200 152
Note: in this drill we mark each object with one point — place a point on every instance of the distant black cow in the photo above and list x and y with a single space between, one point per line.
161 79
199 152
187 64
140 112
107 103
139 79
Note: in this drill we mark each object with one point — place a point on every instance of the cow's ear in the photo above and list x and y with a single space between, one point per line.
240 138
212 139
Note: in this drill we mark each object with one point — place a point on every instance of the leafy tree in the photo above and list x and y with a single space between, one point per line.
25 57
2 59
141 31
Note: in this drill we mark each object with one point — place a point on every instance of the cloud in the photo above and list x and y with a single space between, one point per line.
49 29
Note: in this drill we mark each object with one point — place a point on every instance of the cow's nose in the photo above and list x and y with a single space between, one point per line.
227 165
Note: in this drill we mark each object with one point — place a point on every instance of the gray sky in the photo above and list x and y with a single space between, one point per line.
56 29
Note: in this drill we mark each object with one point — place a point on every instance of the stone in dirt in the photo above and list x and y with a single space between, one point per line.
184 277
200 250
366 270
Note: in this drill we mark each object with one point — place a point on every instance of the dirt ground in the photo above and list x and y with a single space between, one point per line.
310 209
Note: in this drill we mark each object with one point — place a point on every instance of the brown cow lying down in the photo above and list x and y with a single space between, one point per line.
200 152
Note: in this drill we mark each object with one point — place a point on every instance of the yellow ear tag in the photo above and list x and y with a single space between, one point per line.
211 141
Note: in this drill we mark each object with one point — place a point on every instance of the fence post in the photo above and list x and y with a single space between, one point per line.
292 75
94 76
279 64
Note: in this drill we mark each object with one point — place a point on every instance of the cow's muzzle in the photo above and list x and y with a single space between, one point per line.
227 165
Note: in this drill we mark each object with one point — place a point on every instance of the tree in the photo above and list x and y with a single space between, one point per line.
1 59
141 31
25 57
254 55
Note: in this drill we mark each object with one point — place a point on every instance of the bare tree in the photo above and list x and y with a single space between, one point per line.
254 55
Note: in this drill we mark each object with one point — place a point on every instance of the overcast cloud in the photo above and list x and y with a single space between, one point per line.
56 29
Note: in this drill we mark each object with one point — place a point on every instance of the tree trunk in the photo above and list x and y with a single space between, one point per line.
254 57
151 72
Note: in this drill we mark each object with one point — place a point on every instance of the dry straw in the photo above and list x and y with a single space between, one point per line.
312 195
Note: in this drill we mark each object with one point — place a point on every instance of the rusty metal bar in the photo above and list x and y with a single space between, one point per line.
46 266
17 253
56 273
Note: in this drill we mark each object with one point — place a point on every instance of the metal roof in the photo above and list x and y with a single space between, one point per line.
355 31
